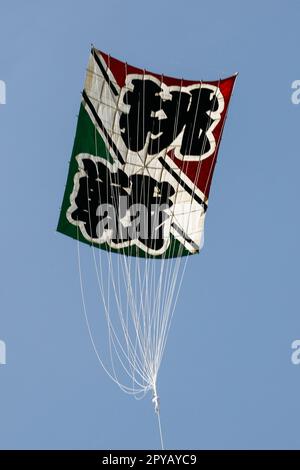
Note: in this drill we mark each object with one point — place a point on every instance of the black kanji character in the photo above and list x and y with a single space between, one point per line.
159 121
155 197
98 186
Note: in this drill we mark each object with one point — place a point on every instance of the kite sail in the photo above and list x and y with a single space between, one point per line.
138 187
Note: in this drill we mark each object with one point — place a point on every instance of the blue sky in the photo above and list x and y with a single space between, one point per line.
227 380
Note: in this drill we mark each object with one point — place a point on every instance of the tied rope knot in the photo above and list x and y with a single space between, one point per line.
155 400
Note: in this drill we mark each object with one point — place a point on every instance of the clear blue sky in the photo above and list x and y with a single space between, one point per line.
227 380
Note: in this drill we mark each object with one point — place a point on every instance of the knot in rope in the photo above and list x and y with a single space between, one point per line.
155 400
